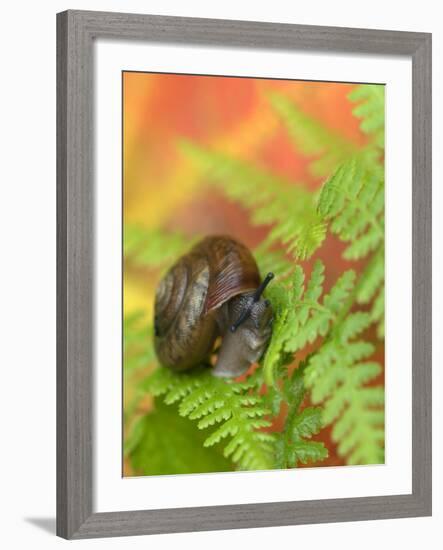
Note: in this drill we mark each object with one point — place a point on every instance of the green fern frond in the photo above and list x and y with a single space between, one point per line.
378 312
352 199
299 317
372 277
311 137
337 373
371 288
210 401
271 200
293 445
371 110
337 376
232 421
153 247
275 354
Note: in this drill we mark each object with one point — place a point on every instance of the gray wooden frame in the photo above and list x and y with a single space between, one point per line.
76 31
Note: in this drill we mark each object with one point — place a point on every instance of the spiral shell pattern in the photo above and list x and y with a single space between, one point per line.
187 298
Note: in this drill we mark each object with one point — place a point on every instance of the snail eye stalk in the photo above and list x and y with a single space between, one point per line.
257 294
255 298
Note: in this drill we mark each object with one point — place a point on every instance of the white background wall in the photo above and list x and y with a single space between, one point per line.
27 400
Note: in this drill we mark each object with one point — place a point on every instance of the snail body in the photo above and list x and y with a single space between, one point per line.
213 291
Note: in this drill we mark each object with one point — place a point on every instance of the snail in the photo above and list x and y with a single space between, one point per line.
212 291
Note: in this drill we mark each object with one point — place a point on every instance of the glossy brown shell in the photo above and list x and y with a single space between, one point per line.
214 271
232 269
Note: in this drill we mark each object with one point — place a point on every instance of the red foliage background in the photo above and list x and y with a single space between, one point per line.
232 115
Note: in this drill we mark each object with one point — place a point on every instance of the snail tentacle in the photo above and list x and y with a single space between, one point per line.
212 291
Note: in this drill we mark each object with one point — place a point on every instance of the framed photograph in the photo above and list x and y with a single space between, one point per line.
244 307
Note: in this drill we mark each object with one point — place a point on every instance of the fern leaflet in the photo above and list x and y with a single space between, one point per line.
293 445
299 316
371 110
239 415
353 200
337 375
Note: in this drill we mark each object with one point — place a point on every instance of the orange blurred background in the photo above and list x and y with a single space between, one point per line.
163 189
232 115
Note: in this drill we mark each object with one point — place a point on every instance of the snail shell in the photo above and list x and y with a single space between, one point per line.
200 298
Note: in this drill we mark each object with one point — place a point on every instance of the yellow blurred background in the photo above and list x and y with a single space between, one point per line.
164 190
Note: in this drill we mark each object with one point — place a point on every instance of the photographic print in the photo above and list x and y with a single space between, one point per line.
253 274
